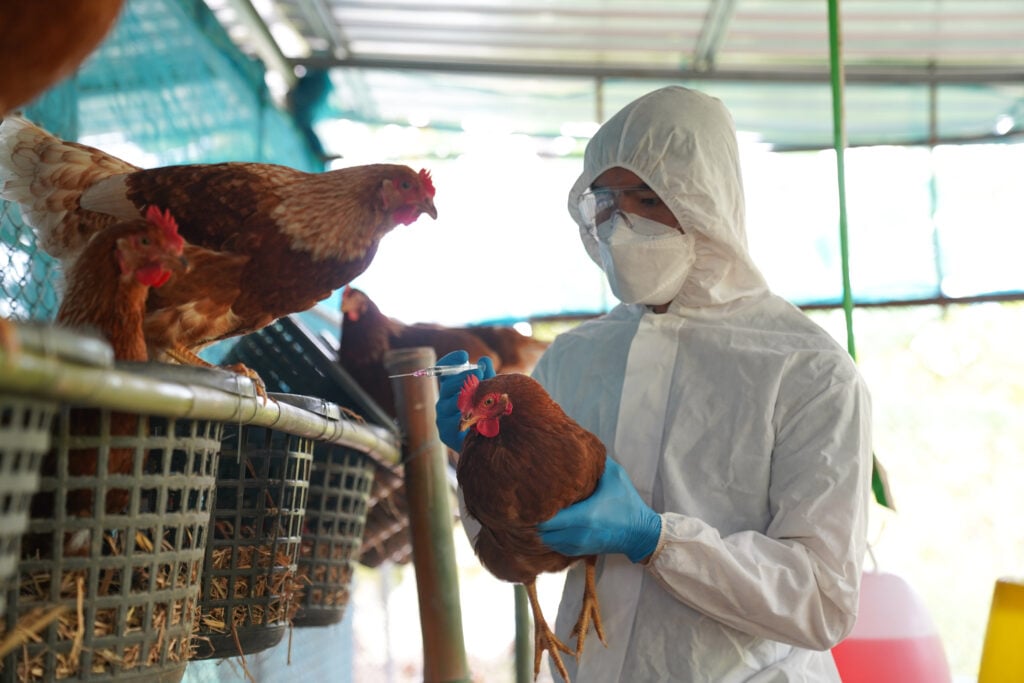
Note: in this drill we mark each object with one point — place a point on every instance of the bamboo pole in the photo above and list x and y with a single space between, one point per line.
430 518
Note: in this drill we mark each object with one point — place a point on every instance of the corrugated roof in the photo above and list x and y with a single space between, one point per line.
540 65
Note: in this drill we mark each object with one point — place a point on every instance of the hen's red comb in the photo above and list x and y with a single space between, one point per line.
427 181
165 221
466 394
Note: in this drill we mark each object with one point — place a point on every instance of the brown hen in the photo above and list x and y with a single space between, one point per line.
265 240
522 461
106 293
367 334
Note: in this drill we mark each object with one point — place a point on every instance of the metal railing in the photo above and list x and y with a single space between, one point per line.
61 365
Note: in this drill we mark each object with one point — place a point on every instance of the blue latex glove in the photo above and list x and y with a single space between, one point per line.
448 415
614 519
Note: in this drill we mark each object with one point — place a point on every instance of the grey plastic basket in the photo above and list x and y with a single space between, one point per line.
24 439
25 435
339 493
249 579
128 578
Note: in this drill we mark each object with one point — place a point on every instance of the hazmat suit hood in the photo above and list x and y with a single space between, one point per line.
682 143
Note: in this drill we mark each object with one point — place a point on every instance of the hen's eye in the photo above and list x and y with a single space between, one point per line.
144 241
406 185
488 402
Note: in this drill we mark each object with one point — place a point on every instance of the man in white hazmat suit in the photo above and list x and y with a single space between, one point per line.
733 549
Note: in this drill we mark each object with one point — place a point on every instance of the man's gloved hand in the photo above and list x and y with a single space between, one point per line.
614 519
448 415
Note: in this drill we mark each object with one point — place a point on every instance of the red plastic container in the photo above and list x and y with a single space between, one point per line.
894 640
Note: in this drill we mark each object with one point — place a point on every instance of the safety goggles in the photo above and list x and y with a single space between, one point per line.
599 204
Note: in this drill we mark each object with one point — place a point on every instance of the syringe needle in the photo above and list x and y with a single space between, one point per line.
439 370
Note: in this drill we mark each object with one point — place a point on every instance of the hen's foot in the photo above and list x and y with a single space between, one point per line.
245 371
186 357
544 638
353 414
590 609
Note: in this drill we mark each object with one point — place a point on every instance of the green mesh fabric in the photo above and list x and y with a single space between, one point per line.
167 86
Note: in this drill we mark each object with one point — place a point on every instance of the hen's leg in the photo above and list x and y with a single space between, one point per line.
543 637
590 609
186 357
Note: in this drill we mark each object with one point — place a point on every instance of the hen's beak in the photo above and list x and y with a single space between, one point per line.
174 264
468 420
427 206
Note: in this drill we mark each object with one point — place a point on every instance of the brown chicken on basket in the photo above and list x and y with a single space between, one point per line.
106 293
263 240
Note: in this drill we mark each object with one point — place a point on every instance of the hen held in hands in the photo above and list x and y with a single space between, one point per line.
264 241
522 460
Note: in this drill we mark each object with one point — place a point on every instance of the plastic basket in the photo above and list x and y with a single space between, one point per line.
24 439
127 577
25 435
339 493
249 579
291 358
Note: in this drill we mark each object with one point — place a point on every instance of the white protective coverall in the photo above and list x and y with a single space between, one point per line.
740 421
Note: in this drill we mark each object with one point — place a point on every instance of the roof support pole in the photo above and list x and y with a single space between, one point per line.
430 518
839 142
524 636
879 483
933 182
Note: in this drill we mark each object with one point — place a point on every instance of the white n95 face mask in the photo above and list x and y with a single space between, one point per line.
646 262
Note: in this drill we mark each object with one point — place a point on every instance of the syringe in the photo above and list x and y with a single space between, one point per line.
439 370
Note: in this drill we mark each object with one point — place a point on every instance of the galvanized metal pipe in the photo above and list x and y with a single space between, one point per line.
44 373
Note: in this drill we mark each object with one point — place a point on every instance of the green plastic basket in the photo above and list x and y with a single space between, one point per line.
250 582
127 578
339 493
24 440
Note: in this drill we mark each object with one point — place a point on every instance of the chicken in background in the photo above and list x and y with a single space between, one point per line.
106 292
367 334
518 352
275 240
522 461
42 43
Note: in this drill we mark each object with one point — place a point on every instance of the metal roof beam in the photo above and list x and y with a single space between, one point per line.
264 44
854 74
320 17
712 33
